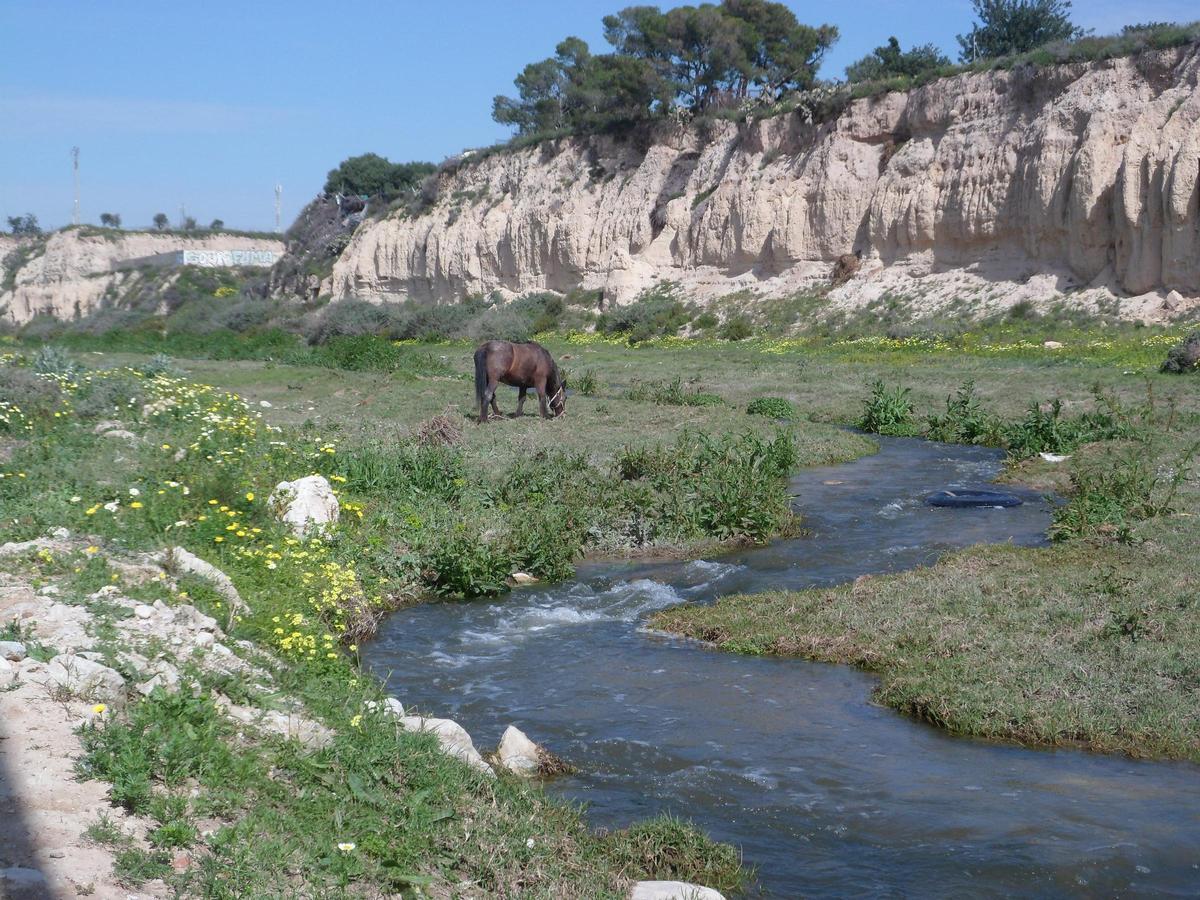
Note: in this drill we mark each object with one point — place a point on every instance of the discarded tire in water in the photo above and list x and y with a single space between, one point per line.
972 498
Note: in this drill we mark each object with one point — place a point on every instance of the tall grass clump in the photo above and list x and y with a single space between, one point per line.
888 411
964 421
1114 489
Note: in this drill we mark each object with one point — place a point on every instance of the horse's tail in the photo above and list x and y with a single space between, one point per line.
480 373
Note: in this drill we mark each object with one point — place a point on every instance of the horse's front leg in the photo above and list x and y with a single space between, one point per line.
541 392
521 402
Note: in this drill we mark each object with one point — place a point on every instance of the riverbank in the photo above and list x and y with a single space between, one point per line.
127 461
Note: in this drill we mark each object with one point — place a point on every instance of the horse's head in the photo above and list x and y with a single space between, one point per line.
558 398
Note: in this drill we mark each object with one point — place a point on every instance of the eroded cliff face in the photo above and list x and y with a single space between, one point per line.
71 273
1071 176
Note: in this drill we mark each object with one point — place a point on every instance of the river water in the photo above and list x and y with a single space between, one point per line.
825 793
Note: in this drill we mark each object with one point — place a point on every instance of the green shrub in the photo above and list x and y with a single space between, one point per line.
1116 488
1047 430
461 562
588 384
772 408
737 328
964 421
1184 357
656 313
54 360
888 411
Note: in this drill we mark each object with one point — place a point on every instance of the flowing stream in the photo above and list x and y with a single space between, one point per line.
826 793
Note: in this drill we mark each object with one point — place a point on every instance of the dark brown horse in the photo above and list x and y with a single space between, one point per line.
523 366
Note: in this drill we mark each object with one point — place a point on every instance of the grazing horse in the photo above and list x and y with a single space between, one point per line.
523 366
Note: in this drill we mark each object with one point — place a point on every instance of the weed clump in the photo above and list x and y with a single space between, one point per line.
772 408
964 421
1184 357
670 393
1115 489
888 411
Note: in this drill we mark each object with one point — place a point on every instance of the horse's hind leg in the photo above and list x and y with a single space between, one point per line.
488 398
521 402
495 405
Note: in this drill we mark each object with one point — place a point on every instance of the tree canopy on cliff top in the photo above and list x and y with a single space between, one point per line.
373 175
696 57
1016 26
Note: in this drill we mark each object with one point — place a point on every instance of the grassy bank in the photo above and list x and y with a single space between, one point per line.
136 458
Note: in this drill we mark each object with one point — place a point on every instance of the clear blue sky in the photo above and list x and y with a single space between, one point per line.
209 104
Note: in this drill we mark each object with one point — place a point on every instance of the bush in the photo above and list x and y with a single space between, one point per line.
1046 430
656 313
1117 488
737 328
1185 357
52 360
888 411
588 384
772 408
964 421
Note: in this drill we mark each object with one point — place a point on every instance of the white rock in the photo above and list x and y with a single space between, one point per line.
265 404
1052 345
523 578
1173 301
49 590
106 425
453 738
59 533
672 890
85 679
221 650
204 640
142 611
391 706
180 560
188 615
12 650
180 455
1054 457
517 752
164 612
306 504
120 434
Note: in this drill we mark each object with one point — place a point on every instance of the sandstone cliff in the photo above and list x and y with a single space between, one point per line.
73 272
1048 180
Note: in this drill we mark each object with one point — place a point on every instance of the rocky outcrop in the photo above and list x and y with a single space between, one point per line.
1063 177
71 273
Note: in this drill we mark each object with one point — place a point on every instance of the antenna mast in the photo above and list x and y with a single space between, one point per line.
75 166
278 204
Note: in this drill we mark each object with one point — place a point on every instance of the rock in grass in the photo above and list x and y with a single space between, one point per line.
308 505
517 752
453 738
178 559
85 678
14 651
522 578
672 890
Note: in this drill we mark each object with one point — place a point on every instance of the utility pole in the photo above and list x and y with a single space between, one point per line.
278 205
75 166
182 216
